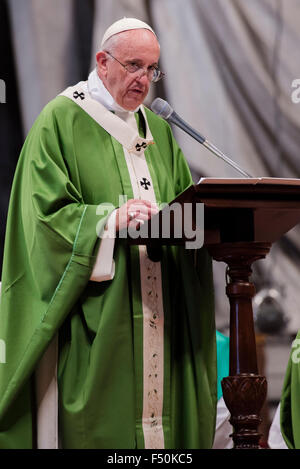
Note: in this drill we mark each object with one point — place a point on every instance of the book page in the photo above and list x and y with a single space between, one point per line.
262 180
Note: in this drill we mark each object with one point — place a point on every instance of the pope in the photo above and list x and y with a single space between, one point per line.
104 347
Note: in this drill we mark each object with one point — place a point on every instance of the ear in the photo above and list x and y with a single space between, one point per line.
101 58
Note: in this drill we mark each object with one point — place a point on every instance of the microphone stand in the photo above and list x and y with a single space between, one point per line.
221 155
175 119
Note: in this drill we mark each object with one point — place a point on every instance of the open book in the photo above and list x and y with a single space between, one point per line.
262 180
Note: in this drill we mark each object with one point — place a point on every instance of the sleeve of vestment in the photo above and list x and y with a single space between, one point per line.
290 404
104 267
50 249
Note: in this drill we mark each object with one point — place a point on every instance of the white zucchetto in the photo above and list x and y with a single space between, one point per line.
125 24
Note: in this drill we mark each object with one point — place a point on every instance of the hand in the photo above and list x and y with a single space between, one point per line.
133 213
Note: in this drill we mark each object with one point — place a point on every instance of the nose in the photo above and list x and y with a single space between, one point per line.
143 74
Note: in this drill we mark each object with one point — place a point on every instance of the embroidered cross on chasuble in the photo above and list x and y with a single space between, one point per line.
145 183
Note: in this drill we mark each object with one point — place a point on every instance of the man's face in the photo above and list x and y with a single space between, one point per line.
138 46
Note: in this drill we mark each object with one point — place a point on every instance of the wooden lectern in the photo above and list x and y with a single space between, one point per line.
242 218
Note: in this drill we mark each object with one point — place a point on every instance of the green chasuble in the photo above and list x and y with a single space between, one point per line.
290 399
68 166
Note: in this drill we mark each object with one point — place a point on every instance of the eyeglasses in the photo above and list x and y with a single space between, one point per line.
153 73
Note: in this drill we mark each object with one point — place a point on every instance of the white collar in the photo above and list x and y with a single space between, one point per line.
126 134
98 92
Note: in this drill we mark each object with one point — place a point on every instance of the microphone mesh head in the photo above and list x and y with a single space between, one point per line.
161 108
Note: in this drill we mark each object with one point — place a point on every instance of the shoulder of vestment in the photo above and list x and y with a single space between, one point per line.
60 106
154 119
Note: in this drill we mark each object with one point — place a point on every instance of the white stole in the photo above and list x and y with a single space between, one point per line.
150 273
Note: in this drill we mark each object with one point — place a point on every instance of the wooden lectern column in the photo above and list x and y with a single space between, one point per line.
242 219
244 391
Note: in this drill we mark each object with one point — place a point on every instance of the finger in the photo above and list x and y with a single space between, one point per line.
131 215
135 224
139 208
139 202
142 216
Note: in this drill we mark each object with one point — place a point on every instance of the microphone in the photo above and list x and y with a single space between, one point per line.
163 109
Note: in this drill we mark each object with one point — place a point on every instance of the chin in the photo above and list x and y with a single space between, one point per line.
132 106
131 103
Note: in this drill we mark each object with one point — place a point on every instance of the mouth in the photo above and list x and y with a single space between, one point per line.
136 92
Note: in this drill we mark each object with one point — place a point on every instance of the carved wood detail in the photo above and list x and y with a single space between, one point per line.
244 391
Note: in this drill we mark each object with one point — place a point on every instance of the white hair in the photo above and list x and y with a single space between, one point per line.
111 43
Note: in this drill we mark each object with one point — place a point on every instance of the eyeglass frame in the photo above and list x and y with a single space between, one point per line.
160 75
